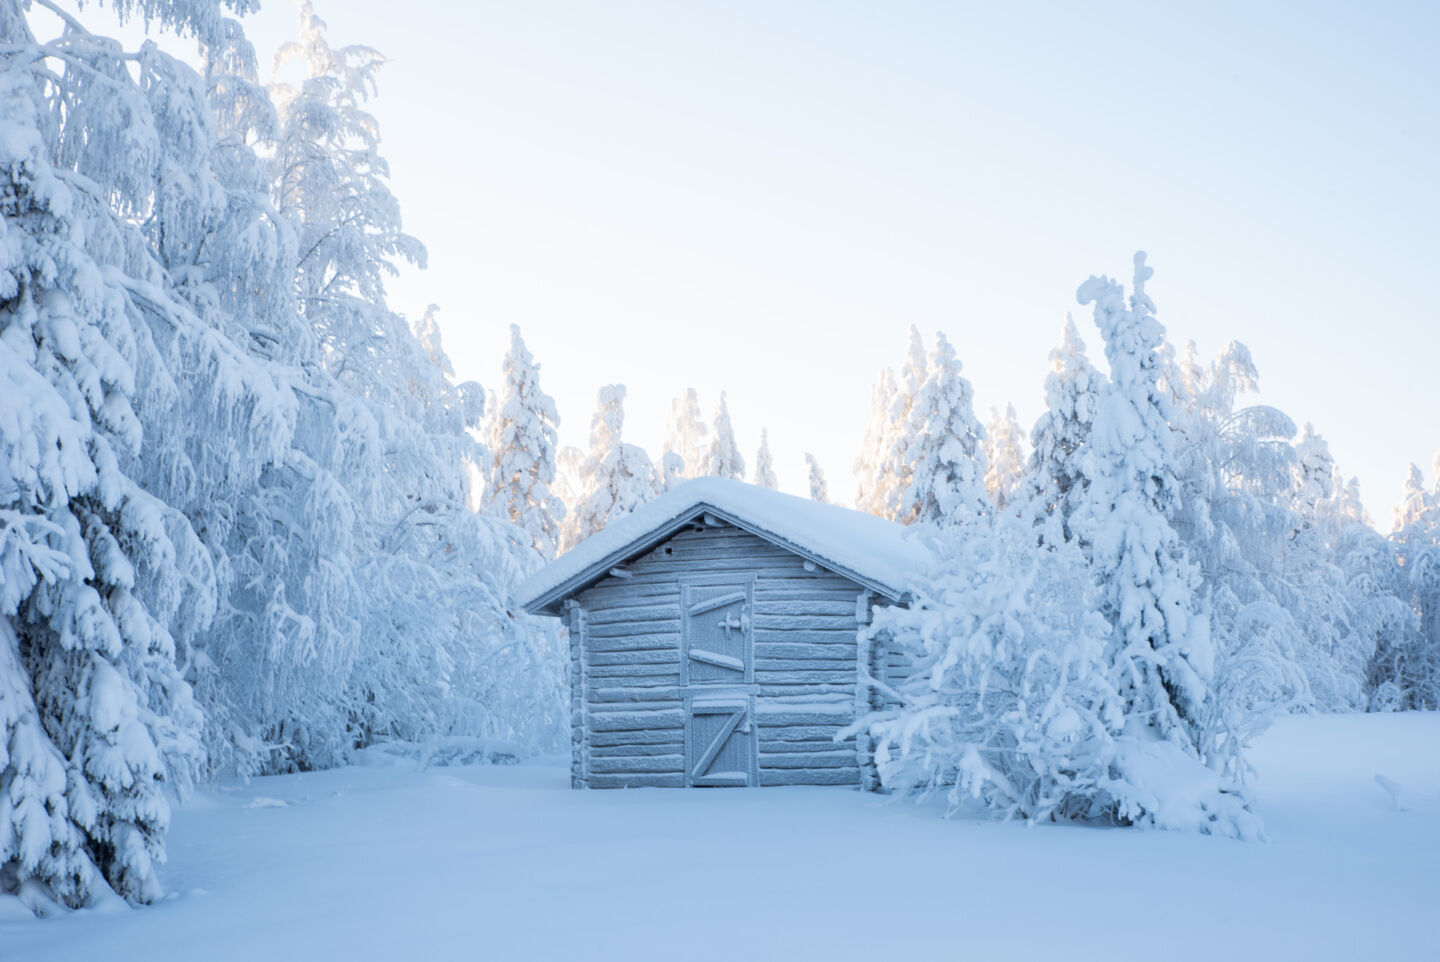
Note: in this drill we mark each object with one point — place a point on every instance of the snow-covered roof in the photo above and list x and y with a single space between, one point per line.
871 551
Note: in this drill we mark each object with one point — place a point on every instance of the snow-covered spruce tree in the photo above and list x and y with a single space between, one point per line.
819 490
1009 700
131 389
1004 456
870 493
723 458
523 450
1161 657
616 477
1072 396
880 468
81 767
686 434
939 459
764 464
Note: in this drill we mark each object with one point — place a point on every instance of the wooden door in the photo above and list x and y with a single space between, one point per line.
716 634
717 666
720 743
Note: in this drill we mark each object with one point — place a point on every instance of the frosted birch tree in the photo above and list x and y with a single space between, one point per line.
686 434
884 458
569 486
1234 466
871 494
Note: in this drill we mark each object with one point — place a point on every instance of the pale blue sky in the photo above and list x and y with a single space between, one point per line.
761 197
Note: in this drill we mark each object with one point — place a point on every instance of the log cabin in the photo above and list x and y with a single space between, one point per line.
717 638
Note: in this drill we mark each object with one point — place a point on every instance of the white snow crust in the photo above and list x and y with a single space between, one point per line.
883 552
507 862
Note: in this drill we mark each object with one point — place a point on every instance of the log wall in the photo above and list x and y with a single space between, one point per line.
629 703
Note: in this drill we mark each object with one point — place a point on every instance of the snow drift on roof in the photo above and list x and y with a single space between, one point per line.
876 552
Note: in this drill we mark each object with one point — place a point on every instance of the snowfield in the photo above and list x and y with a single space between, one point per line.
508 863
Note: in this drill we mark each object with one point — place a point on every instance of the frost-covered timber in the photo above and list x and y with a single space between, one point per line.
716 638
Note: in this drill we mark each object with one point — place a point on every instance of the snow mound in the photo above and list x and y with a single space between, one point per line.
451 750
1163 787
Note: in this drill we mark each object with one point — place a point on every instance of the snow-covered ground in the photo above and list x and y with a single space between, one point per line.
508 863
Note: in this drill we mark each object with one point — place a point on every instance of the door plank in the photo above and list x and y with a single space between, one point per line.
717 659
718 602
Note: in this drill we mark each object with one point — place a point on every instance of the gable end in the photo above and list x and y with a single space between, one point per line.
551 602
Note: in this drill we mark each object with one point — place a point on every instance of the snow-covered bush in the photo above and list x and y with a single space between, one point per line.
1009 701
1006 699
